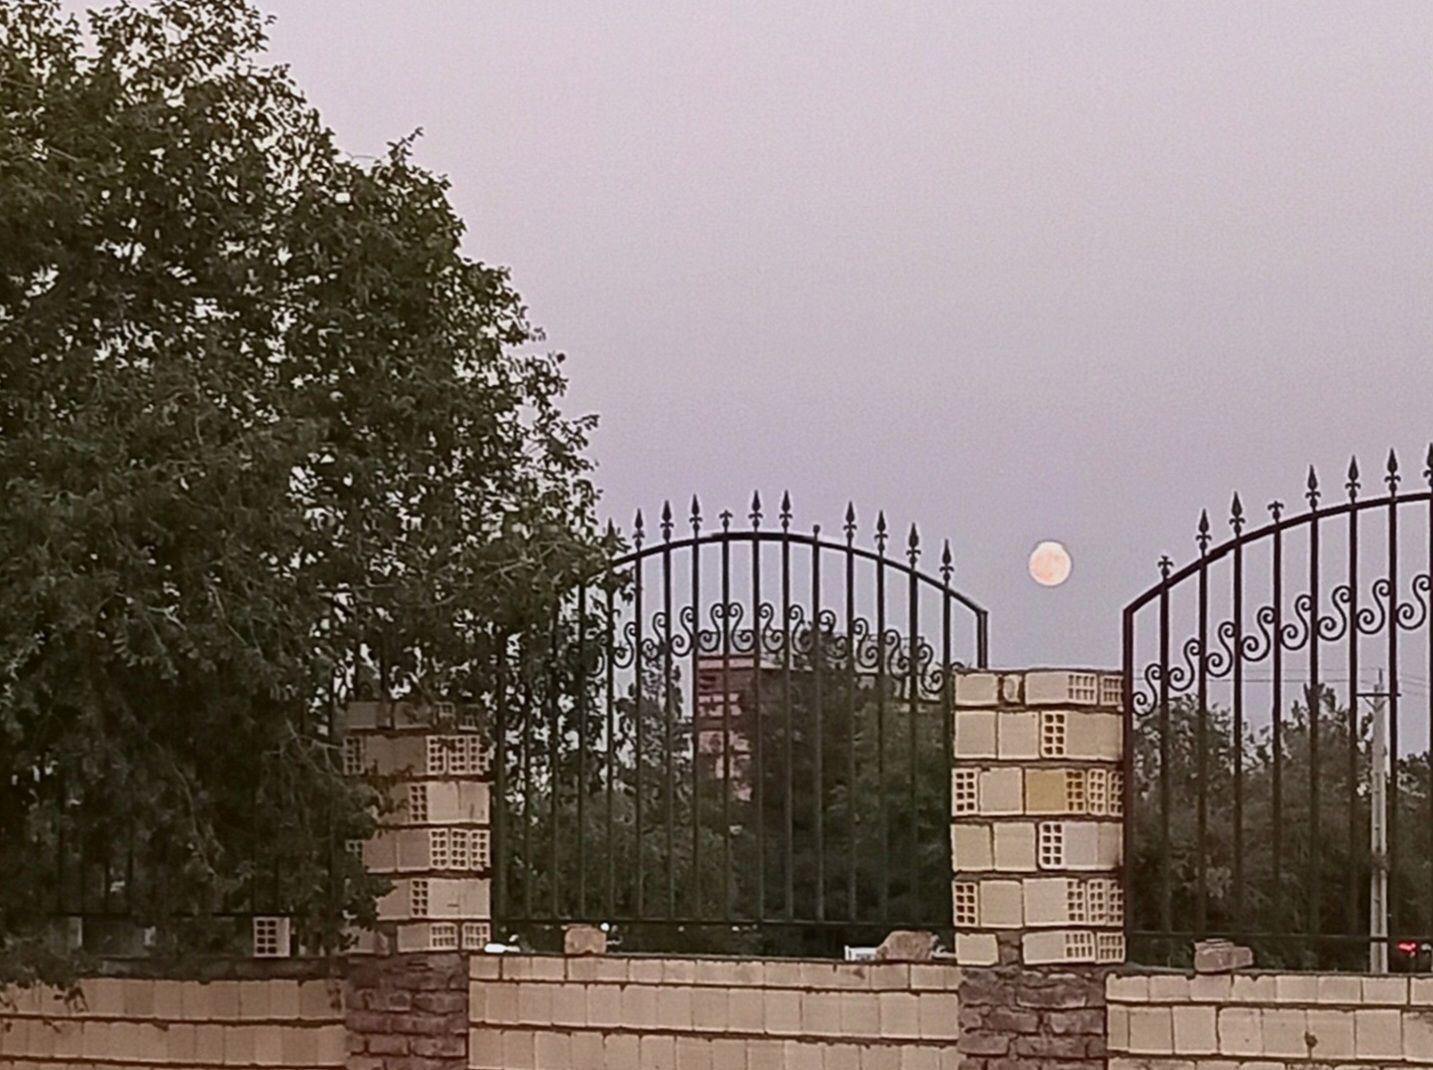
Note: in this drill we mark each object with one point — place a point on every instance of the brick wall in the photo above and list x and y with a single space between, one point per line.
1223 1022
407 1012
596 1012
123 1023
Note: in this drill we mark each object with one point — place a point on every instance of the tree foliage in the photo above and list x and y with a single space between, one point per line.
266 435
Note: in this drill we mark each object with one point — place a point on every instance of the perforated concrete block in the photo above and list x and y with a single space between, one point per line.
1001 904
976 689
1001 791
1015 847
975 734
1018 736
976 949
1060 688
971 847
1046 901
1045 791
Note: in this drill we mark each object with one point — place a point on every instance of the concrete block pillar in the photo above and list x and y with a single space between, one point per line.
436 846
1037 823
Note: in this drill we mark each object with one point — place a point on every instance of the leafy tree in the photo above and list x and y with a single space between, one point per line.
266 439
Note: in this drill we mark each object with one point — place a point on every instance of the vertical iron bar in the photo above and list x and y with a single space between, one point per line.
758 731
1277 654
639 867
851 904
883 863
1238 613
1428 624
1127 763
667 694
912 717
1201 768
787 772
947 684
726 878
1351 888
610 732
696 591
579 677
1394 918
524 659
818 782
1165 903
982 638
1314 700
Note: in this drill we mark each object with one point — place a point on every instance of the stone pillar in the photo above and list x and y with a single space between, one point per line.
437 846
407 1012
1036 823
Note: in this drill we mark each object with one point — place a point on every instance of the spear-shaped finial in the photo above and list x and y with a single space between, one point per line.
1236 514
850 526
946 566
696 518
755 514
1313 493
667 521
1165 567
1392 478
785 510
1202 538
726 515
1353 483
638 529
1276 510
881 531
913 546
1428 465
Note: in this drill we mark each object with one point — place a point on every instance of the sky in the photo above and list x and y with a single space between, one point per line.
1010 271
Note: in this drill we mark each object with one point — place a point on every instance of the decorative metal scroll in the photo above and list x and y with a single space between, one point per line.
739 729
1254 676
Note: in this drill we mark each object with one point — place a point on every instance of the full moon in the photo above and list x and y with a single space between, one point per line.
1050 564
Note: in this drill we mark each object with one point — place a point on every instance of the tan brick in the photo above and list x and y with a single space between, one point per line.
485 1049
745 1011
332 1044
818 974
764 1054
646 971
300 1046
520 1050
269 1045
678 972
798 1055
750 972
1168 988
1002 792
693 1053
888 976
316 1002
209 1043
1045 792
484 967
716 972
932 978
976 689
1240 1031
976 949
971 848
900 1014
860 1014
587 1050
224 1001
604 1006
1015 847
728 1053
1340 989
783 974
841 1057
1117 1027
783 1012
1332 1031
1001 904
1417 1037
887 1057
1420 991
534 1004
1385 991
821 1014
499 1004
548 967
1018 736
913 1058
709 1009
674 1006
1285 1031
238 1044
1296 988
639 1006
1251 988
1211 988
1151 1031
1378 1034
975 734
612 969
569 1004
939 1016
552 1050
1194 1031
1127 989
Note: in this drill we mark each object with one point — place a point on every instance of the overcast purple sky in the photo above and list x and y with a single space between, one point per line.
1011 271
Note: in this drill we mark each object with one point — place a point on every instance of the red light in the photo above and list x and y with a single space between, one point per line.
1408 947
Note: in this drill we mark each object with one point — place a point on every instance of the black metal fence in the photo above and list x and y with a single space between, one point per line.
1259 678
736 739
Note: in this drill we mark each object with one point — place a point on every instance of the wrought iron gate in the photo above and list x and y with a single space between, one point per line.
1255 675
736 739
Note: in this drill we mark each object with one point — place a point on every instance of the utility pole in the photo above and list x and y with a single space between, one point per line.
1378 832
